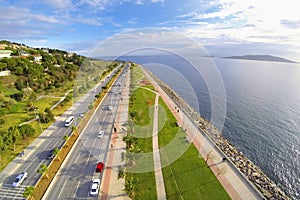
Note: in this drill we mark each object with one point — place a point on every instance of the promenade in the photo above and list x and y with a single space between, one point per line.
113 188
236 187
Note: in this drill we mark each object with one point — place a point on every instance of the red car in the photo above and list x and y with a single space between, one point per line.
99 167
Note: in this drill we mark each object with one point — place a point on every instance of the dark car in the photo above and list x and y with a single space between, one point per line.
50 155
100 167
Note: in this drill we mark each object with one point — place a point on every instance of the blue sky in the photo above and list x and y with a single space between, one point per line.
223 27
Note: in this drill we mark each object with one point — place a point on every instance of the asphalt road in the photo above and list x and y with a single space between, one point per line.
74 179
37 152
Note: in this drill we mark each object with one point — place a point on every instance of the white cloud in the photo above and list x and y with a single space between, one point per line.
245 22
14 14
89 21
60 4
132 20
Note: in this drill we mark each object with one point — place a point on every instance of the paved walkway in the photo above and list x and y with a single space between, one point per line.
160 185
112 187
236 187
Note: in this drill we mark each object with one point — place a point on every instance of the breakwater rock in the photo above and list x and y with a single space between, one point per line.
250 171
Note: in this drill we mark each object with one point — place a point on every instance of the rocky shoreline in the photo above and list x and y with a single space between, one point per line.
253 174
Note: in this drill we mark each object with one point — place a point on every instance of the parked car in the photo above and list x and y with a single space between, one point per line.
95 187
100 134
109 107
19 179
100 167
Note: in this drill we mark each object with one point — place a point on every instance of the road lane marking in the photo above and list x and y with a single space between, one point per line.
76 190
62 188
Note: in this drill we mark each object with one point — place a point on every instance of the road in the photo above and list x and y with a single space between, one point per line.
74 178
36 153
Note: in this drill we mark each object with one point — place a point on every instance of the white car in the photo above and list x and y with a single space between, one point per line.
109 107
100 134
95 187
19 179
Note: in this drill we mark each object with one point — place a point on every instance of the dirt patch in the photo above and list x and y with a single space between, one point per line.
144 82
149 102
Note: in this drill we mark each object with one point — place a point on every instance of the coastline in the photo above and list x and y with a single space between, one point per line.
246 168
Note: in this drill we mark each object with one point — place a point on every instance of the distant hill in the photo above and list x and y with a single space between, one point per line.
262 58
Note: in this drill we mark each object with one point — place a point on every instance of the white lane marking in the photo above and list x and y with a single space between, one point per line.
76 190
62 188
28 166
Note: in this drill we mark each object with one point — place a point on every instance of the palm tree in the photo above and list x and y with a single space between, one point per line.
209 156
66 137
74 130
43 170
129 140
55 152
130 187
28 193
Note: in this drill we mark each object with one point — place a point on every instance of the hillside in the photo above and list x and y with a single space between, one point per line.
262 58
32 81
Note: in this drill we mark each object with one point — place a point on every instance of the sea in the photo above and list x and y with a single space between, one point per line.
255 105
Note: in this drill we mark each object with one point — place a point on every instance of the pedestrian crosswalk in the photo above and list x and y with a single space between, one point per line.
7 192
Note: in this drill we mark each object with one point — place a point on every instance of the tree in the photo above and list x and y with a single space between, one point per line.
130 186
15 135
121 173
28 193
2 121
209 156
130 141
43 169
74 130
3 111
66 137
47 116
55 153
26 130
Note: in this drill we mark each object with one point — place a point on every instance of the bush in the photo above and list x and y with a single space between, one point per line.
17 96
26 130
2 121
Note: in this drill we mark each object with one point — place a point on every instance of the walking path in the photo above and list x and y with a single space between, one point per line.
160 185
237 187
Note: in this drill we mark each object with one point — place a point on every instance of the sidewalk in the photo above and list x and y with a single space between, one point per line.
236 187
112 187
160 185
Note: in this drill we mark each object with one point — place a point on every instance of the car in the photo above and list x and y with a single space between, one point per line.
81 114
95 187
100 134
109 107
100 167
19 179
50 155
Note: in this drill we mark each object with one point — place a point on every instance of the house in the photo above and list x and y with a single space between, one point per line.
5 53
37 58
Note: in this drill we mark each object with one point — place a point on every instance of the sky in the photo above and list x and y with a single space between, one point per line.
222 27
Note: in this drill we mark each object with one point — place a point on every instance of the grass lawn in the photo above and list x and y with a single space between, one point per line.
141 104
187 175
145 187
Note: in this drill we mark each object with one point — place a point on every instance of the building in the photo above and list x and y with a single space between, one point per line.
37 58
5 53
